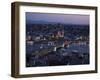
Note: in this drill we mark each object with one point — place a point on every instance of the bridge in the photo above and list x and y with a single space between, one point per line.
45 51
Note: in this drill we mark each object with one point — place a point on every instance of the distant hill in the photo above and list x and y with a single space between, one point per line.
46 22
42 22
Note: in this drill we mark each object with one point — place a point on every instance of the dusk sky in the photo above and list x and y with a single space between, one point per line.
58 18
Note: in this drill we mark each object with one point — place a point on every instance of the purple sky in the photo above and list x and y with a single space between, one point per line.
59 18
